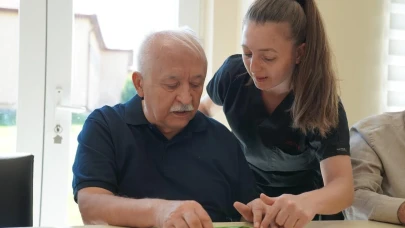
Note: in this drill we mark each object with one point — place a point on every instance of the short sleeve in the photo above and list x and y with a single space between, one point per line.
94 164
338 141
218 86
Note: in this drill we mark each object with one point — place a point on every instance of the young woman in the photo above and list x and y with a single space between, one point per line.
281 100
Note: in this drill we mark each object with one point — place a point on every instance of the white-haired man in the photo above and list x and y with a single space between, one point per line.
156 160
378 158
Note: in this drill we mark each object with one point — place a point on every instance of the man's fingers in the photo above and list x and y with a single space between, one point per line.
270 215
274 225
205 219
291 221
282 216
257 217
267 200
192 220
300 223
244 210
179 223
266 222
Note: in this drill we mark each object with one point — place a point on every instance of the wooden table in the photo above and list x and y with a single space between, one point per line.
350 224
314 224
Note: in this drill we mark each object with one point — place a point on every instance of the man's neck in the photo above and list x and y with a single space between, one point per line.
169 134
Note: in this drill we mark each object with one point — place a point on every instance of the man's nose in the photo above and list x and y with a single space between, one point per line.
184 95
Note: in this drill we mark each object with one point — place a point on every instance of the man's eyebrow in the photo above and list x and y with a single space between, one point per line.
170 77
174 77
198 76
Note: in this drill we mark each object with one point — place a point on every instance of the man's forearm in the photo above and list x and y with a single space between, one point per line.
118 211
374 206
401 213
331 199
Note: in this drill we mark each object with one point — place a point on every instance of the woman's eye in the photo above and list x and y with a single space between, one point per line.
269 59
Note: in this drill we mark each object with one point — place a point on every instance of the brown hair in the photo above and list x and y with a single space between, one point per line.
315 107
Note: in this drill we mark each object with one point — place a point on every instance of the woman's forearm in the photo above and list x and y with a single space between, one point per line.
331 199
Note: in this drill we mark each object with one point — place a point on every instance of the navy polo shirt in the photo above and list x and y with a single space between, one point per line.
283 159
120 151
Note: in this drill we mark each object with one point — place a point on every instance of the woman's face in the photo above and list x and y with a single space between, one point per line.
269 54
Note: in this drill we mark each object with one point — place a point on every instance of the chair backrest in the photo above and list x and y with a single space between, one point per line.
16 190
338 216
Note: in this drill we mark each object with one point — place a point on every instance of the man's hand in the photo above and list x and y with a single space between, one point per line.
182 214
401 213
254 211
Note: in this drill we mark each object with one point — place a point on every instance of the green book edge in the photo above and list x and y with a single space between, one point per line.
232 225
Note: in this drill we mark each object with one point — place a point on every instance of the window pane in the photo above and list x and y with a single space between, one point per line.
106 38
9 24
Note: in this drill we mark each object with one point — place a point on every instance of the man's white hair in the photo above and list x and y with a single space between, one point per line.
183 36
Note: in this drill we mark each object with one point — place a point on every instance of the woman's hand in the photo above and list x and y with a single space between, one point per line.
254 211
288 211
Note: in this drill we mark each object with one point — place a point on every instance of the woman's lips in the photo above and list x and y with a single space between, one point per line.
261 79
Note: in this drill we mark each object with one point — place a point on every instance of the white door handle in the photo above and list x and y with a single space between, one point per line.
70 108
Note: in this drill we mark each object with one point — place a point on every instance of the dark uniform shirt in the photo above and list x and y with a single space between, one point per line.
283 159
120 151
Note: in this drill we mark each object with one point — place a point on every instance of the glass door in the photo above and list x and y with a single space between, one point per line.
91 53
22 83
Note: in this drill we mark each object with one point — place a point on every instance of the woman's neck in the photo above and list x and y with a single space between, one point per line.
272 99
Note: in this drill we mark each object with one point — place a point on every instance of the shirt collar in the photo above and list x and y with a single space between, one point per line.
134 113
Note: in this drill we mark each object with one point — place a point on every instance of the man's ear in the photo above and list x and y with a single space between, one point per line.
138 82
300 53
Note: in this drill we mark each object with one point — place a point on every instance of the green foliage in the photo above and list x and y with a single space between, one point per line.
128 91
79 118
8 117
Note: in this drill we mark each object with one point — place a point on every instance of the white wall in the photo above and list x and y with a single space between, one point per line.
80 66
221 36
356 33
99 75
114 73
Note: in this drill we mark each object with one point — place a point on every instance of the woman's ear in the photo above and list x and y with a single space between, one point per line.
300 53
137 80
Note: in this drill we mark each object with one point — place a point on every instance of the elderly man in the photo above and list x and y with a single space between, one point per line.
378 159
156 160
